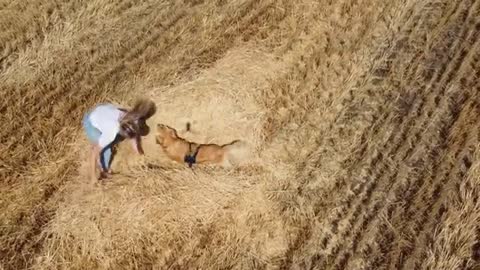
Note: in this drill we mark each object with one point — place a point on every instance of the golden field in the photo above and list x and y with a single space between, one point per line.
361 117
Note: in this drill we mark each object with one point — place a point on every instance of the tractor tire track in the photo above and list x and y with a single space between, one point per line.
379 161
370 186
413 189
421 126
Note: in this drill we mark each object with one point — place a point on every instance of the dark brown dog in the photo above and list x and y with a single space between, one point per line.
181 150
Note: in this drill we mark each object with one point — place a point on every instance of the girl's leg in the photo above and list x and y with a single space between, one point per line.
105 158
93 163
93 135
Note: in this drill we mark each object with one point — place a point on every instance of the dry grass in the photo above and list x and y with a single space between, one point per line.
361 119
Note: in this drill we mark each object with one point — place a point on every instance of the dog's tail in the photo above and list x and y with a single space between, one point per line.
236 152
189 127
230 144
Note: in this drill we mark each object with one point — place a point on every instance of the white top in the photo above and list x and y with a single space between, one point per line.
106 118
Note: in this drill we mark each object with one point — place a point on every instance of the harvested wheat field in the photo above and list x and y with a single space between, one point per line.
361 123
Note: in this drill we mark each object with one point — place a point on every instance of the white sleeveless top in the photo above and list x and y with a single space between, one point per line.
106 118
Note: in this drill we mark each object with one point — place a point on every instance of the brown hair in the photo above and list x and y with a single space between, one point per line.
131 123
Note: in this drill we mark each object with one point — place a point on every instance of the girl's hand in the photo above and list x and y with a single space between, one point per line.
140 151
137 145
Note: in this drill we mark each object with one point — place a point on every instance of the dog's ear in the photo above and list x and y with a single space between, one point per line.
172 132
160 127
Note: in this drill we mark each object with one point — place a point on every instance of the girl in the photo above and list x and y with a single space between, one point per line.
106 125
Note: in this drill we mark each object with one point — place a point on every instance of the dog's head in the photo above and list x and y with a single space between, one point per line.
165 133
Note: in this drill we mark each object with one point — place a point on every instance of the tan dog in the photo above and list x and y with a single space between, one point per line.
181 150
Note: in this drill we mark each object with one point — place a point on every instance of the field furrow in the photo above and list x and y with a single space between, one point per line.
379 167
452 174
407 194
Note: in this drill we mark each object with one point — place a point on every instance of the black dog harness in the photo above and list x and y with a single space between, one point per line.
191 157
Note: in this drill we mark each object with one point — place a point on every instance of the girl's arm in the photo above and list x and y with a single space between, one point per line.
137 144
